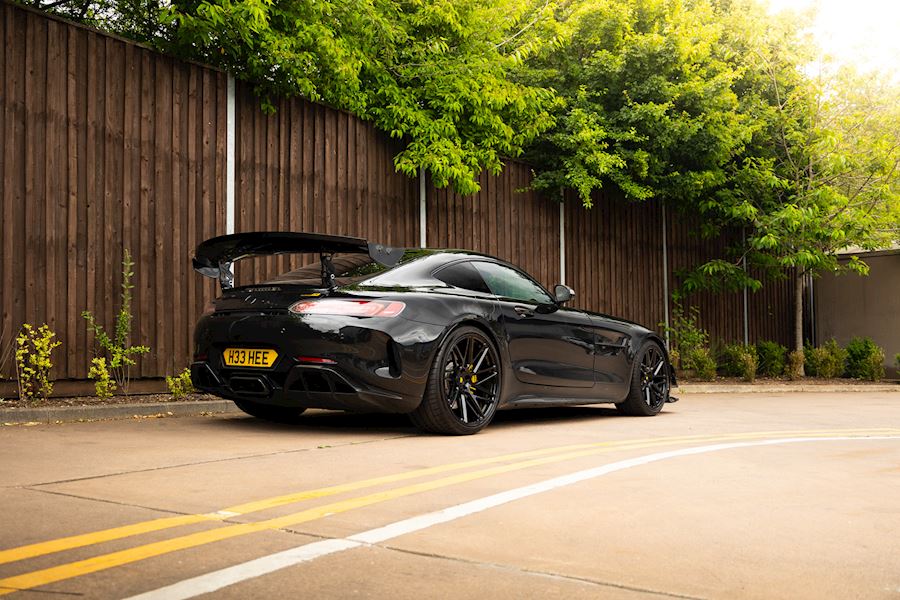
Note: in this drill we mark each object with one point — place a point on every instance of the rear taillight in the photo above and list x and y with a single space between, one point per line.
315 360
350 308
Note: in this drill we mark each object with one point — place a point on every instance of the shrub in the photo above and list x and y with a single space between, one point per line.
864 359
897 362
771 357
33 363
103 383
826 361
738 360
701 361
117 347
794 364
180 385
690 344
684 331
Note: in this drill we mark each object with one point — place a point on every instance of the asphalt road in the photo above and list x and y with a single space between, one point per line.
720 496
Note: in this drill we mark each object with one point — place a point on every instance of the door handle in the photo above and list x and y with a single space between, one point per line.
523 311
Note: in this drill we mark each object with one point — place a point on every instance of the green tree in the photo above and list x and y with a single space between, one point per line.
649 101
433 73
831 182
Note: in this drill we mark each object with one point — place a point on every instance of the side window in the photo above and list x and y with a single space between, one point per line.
463 275
509 283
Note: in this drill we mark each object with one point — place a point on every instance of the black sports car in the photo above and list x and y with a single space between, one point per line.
446 336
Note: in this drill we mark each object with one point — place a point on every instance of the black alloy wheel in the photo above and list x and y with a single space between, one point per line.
649 382
463 385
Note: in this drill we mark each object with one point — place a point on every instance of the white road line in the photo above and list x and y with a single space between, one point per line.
217 580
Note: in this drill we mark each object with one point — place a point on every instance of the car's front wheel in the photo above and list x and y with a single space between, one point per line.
463 385
649 382
277 414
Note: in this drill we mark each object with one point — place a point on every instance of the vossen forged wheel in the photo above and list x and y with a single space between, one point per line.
649 383
463 387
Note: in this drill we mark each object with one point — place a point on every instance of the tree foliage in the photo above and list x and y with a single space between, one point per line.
432 72
650 101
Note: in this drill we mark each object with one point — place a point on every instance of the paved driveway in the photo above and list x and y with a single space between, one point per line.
732 496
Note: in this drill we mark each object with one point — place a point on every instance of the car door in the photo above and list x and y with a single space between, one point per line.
548 345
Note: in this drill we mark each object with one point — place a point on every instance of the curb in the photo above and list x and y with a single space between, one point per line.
736 388
52 414
66 414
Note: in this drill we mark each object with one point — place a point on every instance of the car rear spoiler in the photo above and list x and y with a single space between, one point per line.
215 256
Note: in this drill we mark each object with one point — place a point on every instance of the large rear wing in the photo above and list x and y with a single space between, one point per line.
215 256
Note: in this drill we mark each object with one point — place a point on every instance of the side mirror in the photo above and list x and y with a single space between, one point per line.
563 293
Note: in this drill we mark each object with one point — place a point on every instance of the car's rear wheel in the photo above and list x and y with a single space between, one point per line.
276 414
463 385
649 382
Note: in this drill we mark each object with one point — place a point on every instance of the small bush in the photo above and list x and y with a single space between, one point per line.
771 357
864 359
180 385
103 383
33 363
826 361
684 331
690 344
738 360
701 362
897 362
794 368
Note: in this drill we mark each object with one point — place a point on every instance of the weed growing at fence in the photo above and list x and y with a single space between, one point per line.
33 361
180 385
771 357
864 359
117 347
690 344
103 383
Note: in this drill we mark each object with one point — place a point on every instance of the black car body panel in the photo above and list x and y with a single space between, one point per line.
549 354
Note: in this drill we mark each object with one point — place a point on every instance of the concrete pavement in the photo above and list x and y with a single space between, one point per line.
721 496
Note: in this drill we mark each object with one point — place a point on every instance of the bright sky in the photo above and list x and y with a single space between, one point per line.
863 32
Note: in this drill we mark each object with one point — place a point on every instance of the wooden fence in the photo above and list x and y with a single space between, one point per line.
107 146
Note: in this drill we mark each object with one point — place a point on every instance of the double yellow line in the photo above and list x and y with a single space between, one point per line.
517 461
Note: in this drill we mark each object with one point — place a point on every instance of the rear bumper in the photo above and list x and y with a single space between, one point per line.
304 386
372 364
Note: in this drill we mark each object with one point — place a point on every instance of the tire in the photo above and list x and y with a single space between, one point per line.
276 414
463 387
649 389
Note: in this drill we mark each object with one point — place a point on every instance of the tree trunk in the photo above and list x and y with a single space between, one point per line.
798 316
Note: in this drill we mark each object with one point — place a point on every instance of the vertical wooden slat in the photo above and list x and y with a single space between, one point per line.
144 277
35 132
13 176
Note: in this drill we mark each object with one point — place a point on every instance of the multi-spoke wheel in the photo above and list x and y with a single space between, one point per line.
463 385
649 382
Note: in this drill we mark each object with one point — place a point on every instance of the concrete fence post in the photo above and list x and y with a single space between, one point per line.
665 271
230 158
562 240
423 208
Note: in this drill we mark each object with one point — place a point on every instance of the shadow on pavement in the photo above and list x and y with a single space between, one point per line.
399 424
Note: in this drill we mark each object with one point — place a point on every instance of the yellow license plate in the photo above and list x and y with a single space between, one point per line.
249 357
